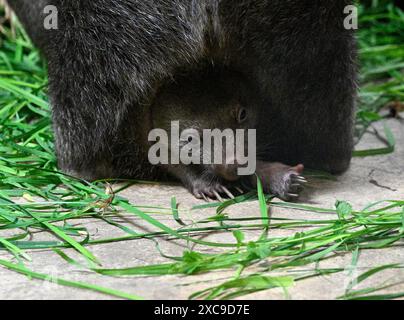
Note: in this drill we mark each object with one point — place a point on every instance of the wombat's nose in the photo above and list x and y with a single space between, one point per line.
226 171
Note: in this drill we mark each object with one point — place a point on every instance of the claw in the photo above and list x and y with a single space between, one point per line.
217 195
205 197
239 190
292 195
226 191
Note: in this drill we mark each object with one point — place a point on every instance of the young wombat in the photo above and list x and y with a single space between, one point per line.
195 104
107 56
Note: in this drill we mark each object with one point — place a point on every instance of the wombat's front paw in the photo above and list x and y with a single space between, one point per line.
281 180
210 190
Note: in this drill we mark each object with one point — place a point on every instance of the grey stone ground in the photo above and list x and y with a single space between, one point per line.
368 180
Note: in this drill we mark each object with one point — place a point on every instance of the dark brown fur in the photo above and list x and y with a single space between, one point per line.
109 56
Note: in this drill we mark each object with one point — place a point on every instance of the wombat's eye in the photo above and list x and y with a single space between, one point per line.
242 115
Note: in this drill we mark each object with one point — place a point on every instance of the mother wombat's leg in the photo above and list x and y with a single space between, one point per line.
32 15
304 58
107 59
104 58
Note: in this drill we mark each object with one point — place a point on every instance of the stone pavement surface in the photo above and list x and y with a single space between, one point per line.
368 180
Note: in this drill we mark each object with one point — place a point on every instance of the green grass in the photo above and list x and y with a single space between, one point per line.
57 204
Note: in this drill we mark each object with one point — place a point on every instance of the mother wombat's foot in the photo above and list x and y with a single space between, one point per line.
280 180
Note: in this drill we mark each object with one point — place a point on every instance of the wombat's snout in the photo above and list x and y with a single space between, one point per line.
227 171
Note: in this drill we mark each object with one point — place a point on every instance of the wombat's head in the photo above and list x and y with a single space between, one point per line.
215 114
